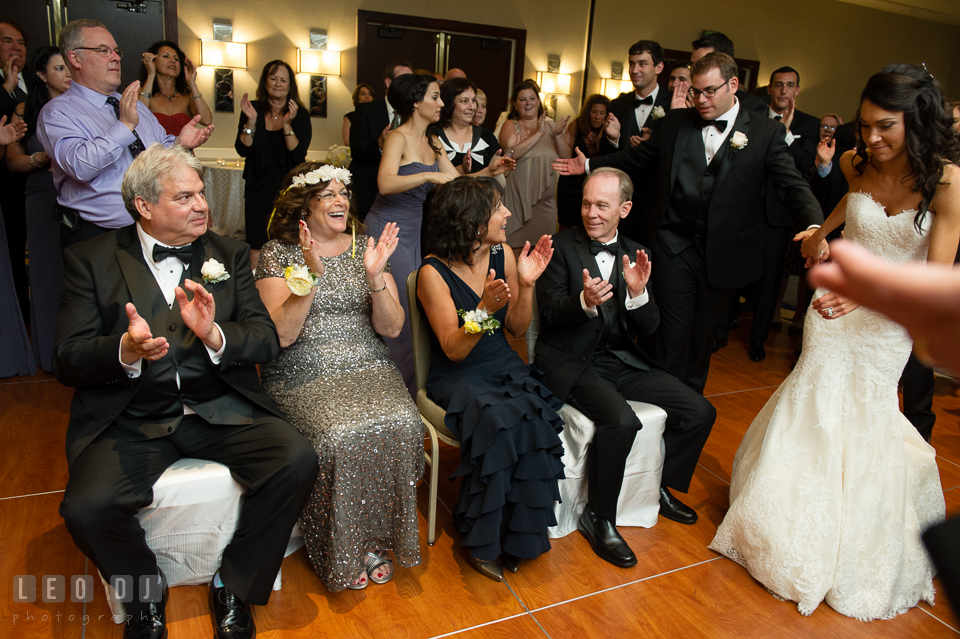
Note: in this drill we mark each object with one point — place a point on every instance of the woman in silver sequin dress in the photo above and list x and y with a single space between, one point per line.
334 380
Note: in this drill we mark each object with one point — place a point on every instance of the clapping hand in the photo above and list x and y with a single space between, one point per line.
190 72
198 314
612 127
308 246
825 151
376 257
531 264
138 342
498 163
496 294
637 275
573 166
10 133
596 291
789 113
291 113
679 99
517 137
247 109
191 137
11 69
562 132
150 63
128 106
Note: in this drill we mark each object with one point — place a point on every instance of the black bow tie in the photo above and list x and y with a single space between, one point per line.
778 118
639 101
720 124
183 253
598 247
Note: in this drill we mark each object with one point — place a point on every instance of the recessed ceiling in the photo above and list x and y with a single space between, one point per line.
944 11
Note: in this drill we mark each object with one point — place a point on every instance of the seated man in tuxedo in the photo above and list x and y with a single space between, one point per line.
164 373
370 127
594 300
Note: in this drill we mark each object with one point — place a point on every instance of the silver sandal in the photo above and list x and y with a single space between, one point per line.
372 561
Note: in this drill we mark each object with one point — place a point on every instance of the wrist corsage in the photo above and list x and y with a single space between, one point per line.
213 272
478 321
300 279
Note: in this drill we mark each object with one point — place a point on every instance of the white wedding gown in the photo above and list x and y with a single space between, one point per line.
832 486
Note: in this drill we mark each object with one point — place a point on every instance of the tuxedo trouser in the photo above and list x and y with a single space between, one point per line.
689 310
112 479
601 393
918 388
774 254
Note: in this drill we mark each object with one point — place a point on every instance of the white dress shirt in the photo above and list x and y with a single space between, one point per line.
605 262
167 272
712 138
773 115
642 112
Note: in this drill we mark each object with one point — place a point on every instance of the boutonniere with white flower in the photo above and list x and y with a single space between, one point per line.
300 279
213 272
738 140
657 113
478 321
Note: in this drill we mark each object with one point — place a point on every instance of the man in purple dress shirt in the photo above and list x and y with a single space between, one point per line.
92 134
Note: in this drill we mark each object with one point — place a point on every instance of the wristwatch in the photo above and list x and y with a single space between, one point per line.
249 132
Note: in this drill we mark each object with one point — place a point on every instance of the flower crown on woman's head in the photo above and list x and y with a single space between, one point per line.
325 173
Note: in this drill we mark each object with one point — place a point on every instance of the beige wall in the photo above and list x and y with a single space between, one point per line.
834 45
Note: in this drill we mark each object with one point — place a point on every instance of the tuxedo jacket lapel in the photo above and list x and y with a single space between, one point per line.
741 124
144 291
587 260
686 129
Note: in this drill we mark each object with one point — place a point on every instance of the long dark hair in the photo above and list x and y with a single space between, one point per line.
523 86
39 94
459 214
927 119
262 103
450 90
405 93
180 84
583 119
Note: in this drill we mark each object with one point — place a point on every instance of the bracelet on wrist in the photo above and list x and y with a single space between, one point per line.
33 160
146 94
249 131
197 96
289 132
377 290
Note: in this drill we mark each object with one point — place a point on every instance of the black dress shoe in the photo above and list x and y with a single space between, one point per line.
777 325
795 329
231 617
605 539
489 569
672 508
757 353
718 344
147 620
510 562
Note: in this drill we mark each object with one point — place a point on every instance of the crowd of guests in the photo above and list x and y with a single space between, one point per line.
636 257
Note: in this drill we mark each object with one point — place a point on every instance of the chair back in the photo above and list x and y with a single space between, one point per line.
418 334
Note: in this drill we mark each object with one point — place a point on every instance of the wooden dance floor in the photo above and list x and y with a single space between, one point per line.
678 589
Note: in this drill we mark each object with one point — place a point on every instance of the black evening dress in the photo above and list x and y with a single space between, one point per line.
508 427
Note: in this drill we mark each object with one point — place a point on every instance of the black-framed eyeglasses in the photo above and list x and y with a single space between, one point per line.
827 127
328 196
103 50
709 92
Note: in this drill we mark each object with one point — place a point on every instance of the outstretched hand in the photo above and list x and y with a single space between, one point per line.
138 342
498 163
637 275
596 290
496 293
198 314
191 137
572 166
531 264
376 257
10 133
679 99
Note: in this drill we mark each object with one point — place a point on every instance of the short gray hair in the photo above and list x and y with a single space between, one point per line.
71 36
626 184
149 172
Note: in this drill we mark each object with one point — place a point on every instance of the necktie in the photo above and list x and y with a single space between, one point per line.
136 147
720 124
183 253
19 95
778 117
395 122
598 247
637 102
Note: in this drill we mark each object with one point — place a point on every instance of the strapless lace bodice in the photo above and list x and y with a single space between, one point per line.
895 238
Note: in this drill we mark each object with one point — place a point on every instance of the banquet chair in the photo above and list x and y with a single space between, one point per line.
431 414
639 502
196 505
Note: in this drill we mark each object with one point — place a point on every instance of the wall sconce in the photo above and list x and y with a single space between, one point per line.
552 83
613 86
319 63
224 55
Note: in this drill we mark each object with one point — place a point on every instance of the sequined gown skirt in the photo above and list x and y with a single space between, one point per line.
831 485
339 387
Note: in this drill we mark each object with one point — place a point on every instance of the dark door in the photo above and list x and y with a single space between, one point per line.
488 63
385 44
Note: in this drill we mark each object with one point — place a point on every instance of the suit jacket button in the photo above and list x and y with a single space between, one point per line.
169 429
173 327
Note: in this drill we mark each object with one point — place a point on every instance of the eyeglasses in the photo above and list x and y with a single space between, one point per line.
827 127
103 50
709 92
328 196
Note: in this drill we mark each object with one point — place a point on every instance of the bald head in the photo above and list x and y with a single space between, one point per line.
454 73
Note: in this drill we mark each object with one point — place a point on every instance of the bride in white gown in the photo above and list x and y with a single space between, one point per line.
832 486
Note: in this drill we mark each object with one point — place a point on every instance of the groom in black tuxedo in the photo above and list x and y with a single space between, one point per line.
632 118
714 161
159 377
594 301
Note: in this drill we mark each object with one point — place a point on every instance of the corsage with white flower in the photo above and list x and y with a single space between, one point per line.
738 140
478 321
657 113
300 279
213 272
